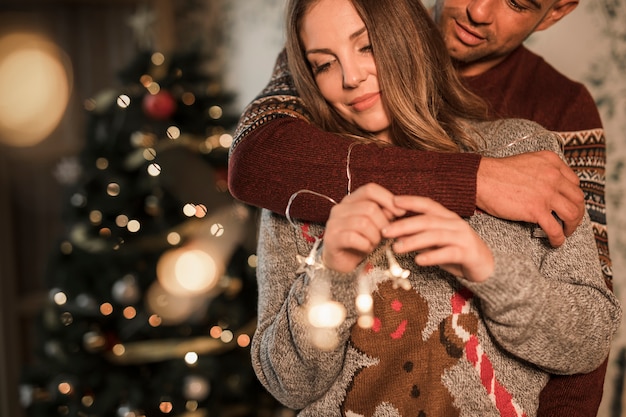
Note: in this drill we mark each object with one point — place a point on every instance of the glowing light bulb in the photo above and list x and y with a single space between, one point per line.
329 314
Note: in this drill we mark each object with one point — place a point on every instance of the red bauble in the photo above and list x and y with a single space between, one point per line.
159 106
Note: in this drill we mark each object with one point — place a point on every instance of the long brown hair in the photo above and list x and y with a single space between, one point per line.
427 104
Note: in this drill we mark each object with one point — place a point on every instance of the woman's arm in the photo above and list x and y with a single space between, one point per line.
284 357
548 306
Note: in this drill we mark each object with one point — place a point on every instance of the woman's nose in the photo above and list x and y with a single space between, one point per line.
353 74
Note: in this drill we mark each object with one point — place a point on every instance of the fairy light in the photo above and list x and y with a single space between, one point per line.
102 163
106 309
215 112
123 101
327 314
87 400
227 336
95 217
398 275
243 340
118 349
157 58
129 312
154 170
217 229
121 220
173 132
166 407
225 140
154 320
191 358
215 332
133 226
145 80
153 88
149 154
189 210
65 388
173 238
59 297
201 211
188 98
113 189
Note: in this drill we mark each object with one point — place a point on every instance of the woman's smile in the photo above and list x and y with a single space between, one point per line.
365 102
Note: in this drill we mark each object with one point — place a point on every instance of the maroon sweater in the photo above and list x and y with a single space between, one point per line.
525 86
276 152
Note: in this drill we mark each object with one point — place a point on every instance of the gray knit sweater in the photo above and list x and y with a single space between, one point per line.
445 347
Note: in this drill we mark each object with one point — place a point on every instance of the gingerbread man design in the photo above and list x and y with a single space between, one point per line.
408 375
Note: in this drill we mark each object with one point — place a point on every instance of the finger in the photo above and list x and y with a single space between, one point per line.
419 223
553 230
428 240
379 195
358 225
423 205
354 207
571 211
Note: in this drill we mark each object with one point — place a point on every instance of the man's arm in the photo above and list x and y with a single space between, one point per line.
287 155
276 153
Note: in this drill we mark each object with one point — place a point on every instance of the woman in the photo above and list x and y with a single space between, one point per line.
489 310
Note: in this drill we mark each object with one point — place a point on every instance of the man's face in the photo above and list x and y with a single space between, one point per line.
481 33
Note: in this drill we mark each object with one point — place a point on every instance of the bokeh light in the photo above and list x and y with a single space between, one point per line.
35 86
187 271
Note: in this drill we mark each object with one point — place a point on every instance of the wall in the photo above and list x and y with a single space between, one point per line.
256 37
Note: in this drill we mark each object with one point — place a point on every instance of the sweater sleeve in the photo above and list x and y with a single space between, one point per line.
284 357
276 153
560 316
549 306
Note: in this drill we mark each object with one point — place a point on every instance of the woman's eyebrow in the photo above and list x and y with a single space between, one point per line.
328 51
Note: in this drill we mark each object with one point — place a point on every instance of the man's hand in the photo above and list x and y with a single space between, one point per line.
530 187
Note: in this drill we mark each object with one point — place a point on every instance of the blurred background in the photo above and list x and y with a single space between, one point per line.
127 272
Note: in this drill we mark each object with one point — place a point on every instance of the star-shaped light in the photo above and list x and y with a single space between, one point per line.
311 262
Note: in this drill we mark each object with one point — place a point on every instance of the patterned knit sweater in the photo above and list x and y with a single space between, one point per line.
444 347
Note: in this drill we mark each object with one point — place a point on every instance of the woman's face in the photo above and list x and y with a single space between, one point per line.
338 49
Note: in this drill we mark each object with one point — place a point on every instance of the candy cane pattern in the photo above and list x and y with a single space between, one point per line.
474 353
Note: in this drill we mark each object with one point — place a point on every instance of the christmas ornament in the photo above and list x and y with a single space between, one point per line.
159 106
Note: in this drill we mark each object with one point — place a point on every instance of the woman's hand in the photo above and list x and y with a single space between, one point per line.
441 237
354 227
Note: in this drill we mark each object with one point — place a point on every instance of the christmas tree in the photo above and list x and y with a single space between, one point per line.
152 291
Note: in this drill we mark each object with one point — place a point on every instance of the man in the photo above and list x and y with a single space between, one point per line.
274 144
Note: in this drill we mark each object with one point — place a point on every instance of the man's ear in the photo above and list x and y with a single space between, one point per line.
558 11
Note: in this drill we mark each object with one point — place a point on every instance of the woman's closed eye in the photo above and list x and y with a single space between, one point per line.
321 67
366 49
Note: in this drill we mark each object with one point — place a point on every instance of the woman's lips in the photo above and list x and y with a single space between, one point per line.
365 101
